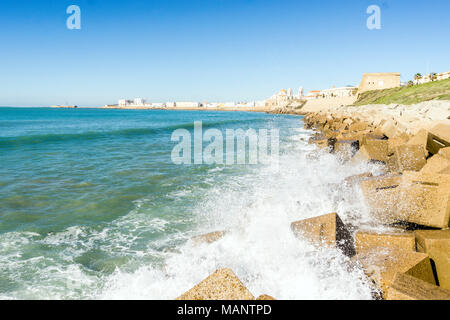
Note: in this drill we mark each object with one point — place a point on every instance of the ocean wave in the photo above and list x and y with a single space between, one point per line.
256 209
114 133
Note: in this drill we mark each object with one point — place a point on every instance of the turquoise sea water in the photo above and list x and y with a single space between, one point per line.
91 206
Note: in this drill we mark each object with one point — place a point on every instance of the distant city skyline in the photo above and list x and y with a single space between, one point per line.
209 50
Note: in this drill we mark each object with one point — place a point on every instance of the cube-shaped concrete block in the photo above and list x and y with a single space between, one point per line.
398 140
368 240
265 297
381 265
420 138
437 164
221 285
328 230
377 149
381 195
346 149
406 287
425 199
436 243
389 129
355 179
358 126
410 157
438 138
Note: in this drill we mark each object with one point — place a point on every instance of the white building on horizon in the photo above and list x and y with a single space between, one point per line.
188 104
348 91
427 78
139 102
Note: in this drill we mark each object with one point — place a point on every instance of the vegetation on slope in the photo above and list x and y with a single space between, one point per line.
411 94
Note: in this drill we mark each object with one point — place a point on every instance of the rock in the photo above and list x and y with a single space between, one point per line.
327 229
368 240
209 238
221 285
424 199
381 265
420 138
438 137
406 287
265 297
436 243
381 195
437 164
409 157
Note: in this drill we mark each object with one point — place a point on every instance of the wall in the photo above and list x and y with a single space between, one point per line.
322 104
379 81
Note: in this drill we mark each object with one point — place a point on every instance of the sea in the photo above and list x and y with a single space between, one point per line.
92 206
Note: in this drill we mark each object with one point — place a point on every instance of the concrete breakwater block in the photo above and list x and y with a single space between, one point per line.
322 144
398 140
445 152
437 164
421 139
209 237
352 180
406 287
358 126
425 199
438 138
368 240
389 129
376 149
381 195
221 285
346 149
381 265
327 229
436 243
409 157
265 297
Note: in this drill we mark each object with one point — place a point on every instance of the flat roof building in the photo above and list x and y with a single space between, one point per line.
379 81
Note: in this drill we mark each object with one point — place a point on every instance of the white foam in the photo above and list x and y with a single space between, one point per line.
257 210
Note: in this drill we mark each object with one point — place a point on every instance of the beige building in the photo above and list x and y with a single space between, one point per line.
379 81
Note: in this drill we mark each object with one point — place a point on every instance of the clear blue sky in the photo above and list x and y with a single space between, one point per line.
209 49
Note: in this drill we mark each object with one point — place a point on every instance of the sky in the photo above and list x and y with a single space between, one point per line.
209 50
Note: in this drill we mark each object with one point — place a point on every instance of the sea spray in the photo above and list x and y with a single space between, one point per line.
257 209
